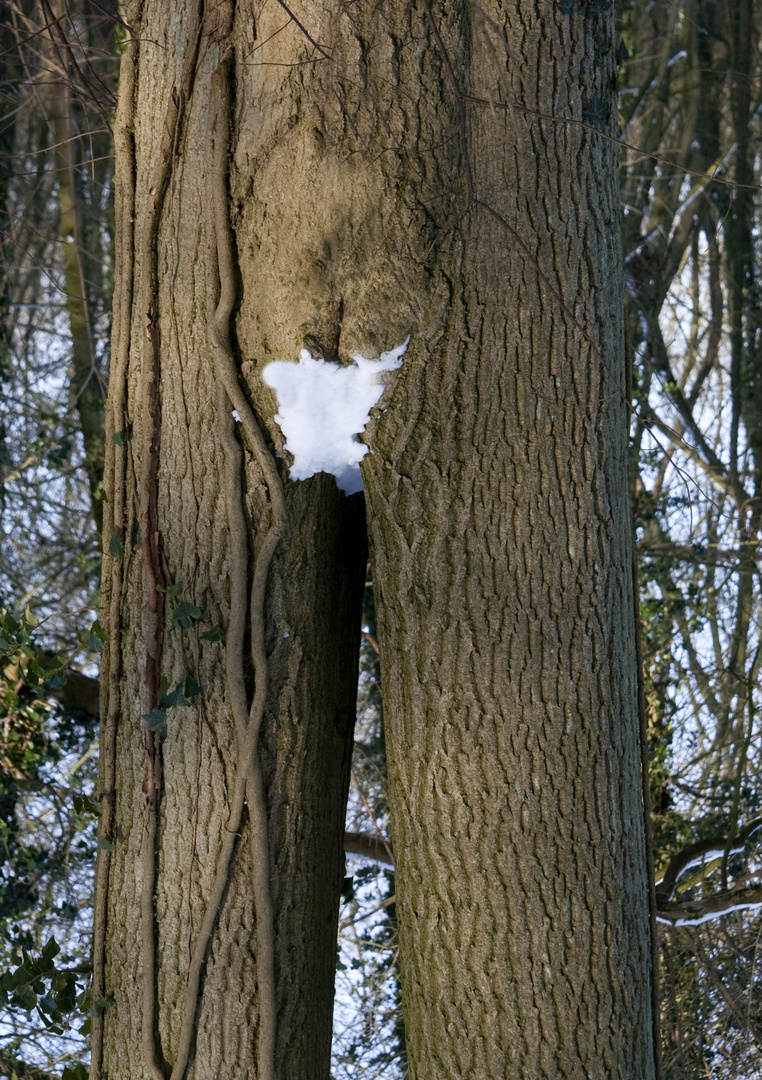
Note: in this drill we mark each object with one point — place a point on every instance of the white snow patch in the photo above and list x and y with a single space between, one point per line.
324 408
676 57
707 858
711 856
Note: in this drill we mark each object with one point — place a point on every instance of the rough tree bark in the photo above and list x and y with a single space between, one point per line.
379 183
499 517
194 508
497 501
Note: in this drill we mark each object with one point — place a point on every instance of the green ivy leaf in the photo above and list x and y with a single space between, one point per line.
215 634
191 687
25 998
622 54
186 614
597 113
106 844
94 638
50 949
170 590
156 720
173 698
117 438
565 6
64 986
115 545
83 804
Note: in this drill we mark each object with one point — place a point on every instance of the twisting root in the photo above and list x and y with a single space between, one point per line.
248 786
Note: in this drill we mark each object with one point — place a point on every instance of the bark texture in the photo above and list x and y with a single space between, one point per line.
180 473
499 520
382 184
411 197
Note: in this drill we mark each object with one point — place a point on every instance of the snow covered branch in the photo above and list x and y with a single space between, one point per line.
701 853
695 912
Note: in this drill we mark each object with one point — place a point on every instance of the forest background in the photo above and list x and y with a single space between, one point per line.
690 112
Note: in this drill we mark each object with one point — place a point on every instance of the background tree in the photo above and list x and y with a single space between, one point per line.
690 101
56 190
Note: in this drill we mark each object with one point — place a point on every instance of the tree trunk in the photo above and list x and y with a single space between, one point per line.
88 388
183 965
497 501
379 185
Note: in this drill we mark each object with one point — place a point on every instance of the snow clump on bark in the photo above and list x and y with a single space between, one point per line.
324 408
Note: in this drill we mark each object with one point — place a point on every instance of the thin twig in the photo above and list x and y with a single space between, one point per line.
304 30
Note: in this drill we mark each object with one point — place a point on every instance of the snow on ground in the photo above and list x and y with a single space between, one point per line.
324 408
